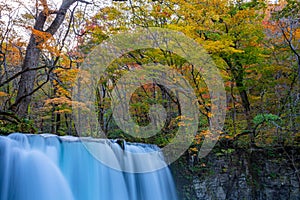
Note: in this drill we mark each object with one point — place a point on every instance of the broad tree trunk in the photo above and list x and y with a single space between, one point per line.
27 79
31 61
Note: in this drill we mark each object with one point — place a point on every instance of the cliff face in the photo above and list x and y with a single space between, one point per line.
259 174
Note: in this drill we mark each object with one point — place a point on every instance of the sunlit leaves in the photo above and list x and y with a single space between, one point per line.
45 41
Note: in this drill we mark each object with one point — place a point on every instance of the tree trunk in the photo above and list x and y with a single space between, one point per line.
238 76
100 95
57 123
53 120
245 100
246 104
27 80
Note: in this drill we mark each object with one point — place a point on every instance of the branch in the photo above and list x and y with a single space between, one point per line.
289 41
8 116
61 13
32 92
82 1
20 73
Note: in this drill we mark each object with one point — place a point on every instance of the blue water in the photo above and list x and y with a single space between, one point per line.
47 167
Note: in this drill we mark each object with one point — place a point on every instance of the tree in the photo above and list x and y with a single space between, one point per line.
232 33
38 38
282 29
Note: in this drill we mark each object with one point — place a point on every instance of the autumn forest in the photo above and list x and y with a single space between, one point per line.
255 45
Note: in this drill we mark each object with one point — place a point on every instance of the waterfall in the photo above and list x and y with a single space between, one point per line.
48 167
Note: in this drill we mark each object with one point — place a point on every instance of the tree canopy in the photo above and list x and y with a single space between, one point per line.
254 44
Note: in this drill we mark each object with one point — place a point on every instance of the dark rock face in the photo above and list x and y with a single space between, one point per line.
237 174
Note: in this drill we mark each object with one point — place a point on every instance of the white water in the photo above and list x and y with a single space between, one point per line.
47 167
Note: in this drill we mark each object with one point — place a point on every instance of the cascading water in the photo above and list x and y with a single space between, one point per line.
47 167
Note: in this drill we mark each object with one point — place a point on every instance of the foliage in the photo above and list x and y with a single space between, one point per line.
253 43
261 118
24 126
